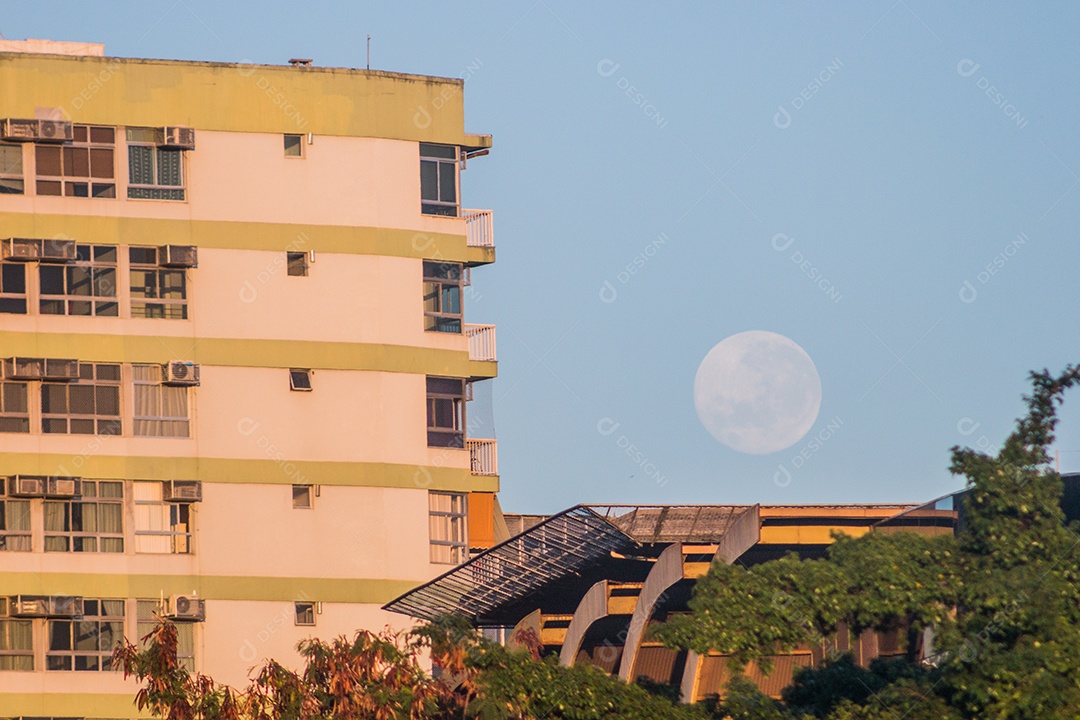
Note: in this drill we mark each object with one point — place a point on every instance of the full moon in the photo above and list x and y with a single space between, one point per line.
757 392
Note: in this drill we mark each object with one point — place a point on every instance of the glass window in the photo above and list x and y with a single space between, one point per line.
447 517
14 524
16 641
300 379
160 527
446 412
160 410
86 644
294 146
88 406
304 613
442 297
94 523
154 173
85 287
301 496
83 168
13 288
14 407
147 613
297 264
438 179
11 169
156 292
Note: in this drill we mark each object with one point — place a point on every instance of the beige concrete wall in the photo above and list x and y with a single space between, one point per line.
245 177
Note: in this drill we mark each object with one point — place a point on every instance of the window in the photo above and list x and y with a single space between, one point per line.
160 527
156 292
154 173
85 287
88 406
438 179
296 264
442 297
294 146
12 288
304 613
94 523
446 412
446 518
85 168
16 641
11 170
147 612
300 379
14 524
160 410
86 644
301 497
14 407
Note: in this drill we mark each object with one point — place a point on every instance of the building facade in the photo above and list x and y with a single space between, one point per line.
236 367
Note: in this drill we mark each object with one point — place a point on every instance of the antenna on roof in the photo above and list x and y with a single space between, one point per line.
369 52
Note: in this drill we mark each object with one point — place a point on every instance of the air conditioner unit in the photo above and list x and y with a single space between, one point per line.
180 373
181 138
185 607
23 368
57 369
63 487
25 249
183 491
19 130
182 256
46 606
56 131
27 485
57 251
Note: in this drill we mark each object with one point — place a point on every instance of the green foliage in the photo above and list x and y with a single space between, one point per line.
1003 597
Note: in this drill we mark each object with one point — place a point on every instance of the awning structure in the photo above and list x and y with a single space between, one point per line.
571 544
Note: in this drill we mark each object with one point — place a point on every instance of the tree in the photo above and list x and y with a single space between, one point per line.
1003 596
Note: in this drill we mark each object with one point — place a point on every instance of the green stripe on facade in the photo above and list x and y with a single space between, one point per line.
208 587
233 235
228 352
268 471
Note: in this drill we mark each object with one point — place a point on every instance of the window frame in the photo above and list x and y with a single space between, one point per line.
7 175
141 424
146 622
430 157
179 515
14 295
310 492
139 306
156 191
25 535
90 496
453 549
6 652
446 436
300 155
302 609
67 151
438 280
7 415
104 424
300 379
75 628
104 305
296 261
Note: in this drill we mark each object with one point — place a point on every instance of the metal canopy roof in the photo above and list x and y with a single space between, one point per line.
566 544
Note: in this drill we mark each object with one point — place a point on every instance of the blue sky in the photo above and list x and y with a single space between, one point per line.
901 148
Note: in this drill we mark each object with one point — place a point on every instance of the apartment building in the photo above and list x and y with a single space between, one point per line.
236 367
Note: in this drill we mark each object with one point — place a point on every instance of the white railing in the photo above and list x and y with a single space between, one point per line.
483 456
479 228
481 342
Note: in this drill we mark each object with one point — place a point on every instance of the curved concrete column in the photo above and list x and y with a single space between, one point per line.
591 608
667 571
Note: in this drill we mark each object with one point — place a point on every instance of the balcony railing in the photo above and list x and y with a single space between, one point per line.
484 456
481 342
478 228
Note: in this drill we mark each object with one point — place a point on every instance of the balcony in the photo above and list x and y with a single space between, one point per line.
481 342
483 456
478 228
